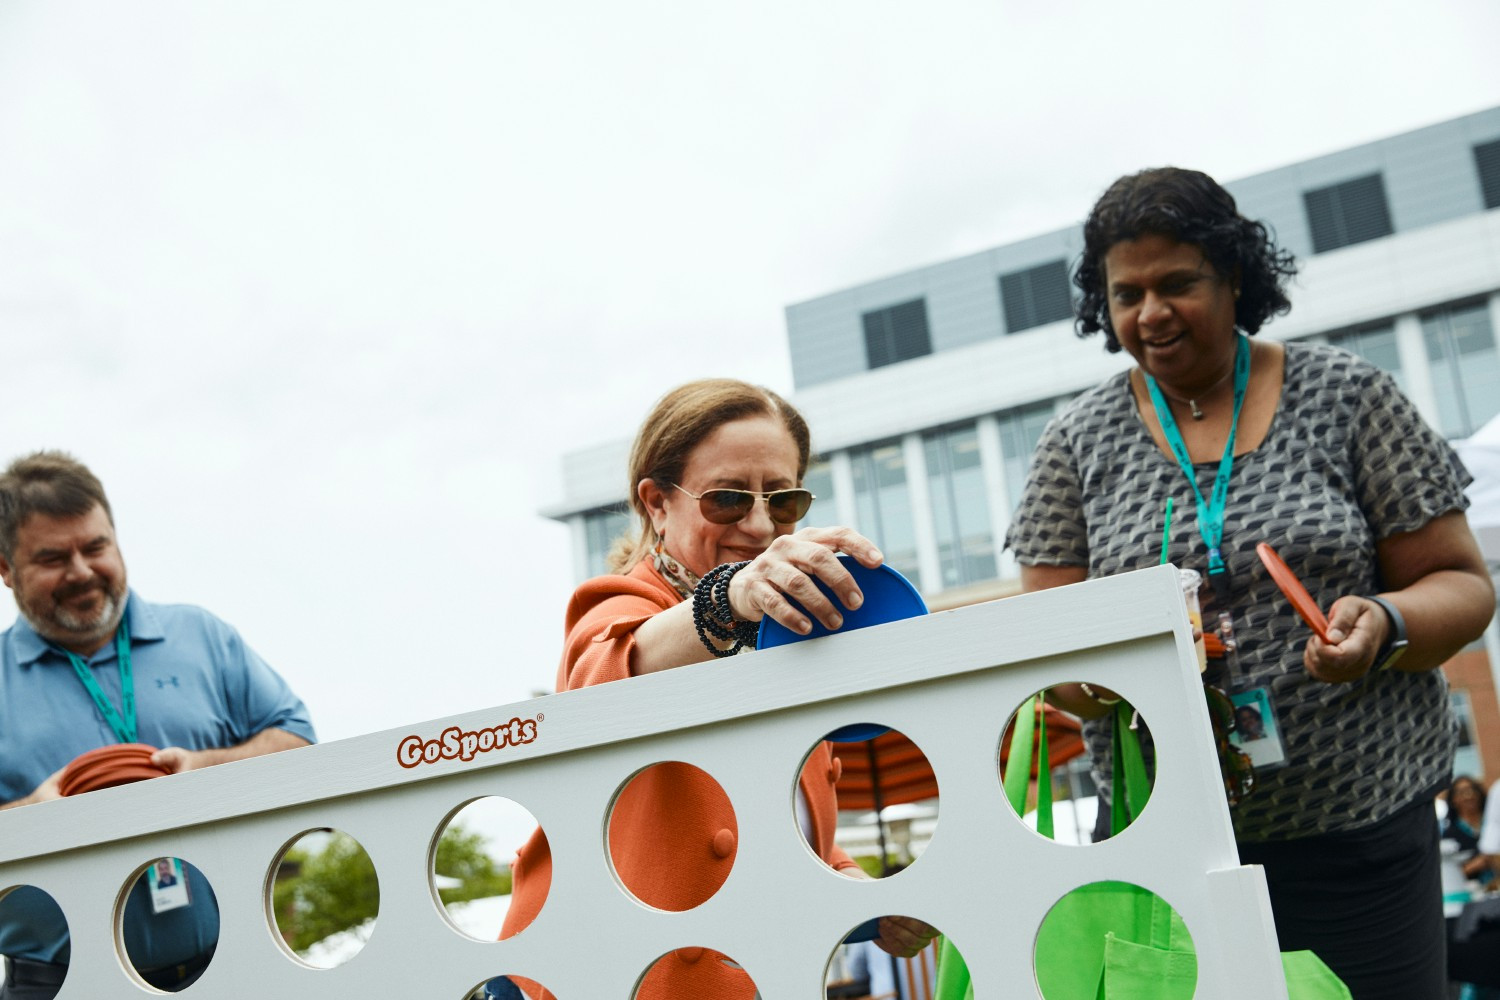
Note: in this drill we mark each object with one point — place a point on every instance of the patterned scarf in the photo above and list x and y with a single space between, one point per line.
679 576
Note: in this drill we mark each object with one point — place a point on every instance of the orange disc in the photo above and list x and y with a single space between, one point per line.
1302 602
107 766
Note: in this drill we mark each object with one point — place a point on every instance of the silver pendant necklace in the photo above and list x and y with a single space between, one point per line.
1194 409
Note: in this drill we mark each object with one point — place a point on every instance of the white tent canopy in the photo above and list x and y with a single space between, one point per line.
1481 453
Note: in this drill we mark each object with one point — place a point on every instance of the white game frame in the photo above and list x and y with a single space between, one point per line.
949 681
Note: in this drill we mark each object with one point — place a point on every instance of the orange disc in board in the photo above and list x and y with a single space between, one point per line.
1302 602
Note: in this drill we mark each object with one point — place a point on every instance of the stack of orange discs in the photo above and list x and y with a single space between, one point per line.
117 764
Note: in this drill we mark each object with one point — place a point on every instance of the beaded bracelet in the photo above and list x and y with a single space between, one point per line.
745 633
718 617
711 612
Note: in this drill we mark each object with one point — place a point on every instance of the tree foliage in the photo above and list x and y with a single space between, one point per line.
333 890
461 855
335 887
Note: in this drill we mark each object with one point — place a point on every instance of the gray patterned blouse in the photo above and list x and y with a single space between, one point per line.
1347 461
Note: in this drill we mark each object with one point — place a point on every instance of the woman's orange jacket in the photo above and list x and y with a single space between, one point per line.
672 833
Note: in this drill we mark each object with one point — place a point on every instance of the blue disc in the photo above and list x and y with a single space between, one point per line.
889 597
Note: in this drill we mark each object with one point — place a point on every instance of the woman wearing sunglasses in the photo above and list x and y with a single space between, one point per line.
715 480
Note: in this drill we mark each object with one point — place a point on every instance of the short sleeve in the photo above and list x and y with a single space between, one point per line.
1048 527
259 697
1406 474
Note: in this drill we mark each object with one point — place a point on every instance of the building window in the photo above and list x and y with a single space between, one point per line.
960 511
1036 296
882 504
1465 367
897 333
1377 345
600 530
1020 430
1487 159
824 513
1351 212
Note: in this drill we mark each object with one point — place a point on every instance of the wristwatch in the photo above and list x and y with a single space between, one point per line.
1395 640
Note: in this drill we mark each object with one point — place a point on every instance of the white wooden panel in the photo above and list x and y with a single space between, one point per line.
949 681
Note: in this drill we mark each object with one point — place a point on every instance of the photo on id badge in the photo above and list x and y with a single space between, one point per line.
1255 730
169 886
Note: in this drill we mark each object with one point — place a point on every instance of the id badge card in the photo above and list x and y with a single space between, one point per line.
169 885
1255 730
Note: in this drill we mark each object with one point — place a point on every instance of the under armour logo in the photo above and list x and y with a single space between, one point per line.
163 683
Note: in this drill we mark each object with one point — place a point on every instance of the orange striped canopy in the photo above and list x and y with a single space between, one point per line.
905 775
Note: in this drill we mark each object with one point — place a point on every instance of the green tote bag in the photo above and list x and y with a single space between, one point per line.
1112 940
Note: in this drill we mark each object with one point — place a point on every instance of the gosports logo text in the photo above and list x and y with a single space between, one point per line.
459 744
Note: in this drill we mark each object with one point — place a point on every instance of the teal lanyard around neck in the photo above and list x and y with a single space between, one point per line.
123 721
1211 513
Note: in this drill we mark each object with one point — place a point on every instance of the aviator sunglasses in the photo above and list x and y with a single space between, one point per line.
729 506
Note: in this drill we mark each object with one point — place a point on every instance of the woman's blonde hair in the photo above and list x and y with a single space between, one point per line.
676 425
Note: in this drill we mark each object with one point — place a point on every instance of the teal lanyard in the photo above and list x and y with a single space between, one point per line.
1210 514
122 722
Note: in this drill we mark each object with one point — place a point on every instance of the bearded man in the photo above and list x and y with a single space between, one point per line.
88 663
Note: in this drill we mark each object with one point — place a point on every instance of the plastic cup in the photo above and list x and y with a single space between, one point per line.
1191 581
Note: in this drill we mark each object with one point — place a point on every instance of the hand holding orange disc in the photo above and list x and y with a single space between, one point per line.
107 766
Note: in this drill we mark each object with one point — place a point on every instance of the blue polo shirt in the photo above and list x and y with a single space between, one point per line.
197 686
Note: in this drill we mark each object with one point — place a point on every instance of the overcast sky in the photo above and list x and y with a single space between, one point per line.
324 291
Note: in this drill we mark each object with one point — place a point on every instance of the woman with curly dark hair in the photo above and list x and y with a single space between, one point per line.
1318 453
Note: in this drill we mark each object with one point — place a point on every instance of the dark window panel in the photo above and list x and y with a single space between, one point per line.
1036 296
897 333
1350 212
1487 160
